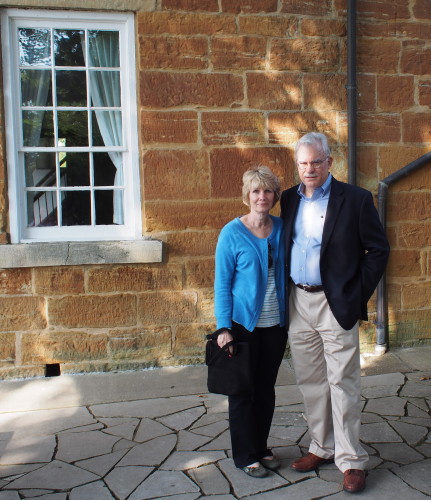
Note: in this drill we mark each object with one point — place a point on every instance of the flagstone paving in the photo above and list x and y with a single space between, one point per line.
124 442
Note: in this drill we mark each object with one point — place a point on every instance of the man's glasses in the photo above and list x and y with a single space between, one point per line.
302 165
270 260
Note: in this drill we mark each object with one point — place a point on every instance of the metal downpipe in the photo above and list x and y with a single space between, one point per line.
351 90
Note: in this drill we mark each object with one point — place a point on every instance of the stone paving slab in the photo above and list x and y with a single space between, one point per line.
175 444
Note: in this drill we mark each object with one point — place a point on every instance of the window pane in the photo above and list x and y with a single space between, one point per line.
36 87
107 128
76 208
105 89
38 128
103 49
74 169
71 88
39 169
34 46
72 128
108 202
104 170
41 209
68 47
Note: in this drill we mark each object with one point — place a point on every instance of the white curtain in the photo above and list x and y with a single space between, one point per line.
103 51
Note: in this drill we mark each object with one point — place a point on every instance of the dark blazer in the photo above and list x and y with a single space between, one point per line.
354 249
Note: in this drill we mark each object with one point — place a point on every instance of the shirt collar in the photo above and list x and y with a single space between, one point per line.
320 191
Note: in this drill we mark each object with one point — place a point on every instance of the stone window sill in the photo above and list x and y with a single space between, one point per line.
77 253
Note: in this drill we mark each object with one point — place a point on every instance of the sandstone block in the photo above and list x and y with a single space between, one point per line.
249 6
395 93
416 127
408 327
145 344
287 128
415 55
378 55
404 264
367 92
325 92
15 281
232 127
228 166
176 174
367 167
162 90
323 27
416 295
173 52
7 349
190 339
381 9
320 8
135 278
182 216
60 347
378 127
166 307
60 280
200 273
394 295
92 311
169 127
279 26
184 23
238 52
192 5
305 54
274 90
412 235
206 306
425 93
22 313
421 9
191 243
409 206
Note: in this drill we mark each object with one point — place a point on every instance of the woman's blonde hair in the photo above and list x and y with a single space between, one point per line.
259 177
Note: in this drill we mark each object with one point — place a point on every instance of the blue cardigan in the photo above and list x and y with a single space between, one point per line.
241 273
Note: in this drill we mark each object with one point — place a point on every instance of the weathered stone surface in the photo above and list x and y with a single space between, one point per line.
379 433
80 446
399 453
163 483
93 491
123 480
56 475
210 480
153 452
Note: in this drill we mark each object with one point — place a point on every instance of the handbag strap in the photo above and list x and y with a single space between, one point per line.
223 350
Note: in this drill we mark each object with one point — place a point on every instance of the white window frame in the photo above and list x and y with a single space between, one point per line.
124 23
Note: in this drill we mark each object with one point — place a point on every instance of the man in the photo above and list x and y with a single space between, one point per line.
336 253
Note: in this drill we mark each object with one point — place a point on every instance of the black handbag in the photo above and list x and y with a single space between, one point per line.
229 373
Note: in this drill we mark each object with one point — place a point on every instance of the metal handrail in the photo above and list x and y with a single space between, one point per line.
382 342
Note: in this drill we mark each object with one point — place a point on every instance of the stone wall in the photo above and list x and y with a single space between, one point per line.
224 85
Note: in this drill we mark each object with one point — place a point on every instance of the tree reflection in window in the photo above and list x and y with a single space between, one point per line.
71 104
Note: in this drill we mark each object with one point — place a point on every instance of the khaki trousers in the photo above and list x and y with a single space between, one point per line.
326 360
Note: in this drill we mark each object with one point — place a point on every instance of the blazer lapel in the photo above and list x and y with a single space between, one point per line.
335 202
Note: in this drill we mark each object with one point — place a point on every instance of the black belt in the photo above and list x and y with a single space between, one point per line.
310 288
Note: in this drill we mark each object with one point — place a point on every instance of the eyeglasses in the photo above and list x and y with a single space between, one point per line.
270 260
302 165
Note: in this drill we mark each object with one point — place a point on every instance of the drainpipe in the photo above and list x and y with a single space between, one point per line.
381 305
351 90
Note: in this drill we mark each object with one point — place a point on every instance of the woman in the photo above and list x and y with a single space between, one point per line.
249 306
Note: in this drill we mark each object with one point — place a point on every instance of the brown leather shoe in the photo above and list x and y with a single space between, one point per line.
309 462
354 480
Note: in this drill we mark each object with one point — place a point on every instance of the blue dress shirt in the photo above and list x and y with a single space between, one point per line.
307 235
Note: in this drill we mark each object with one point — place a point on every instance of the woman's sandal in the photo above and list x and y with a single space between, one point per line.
258 471
270 463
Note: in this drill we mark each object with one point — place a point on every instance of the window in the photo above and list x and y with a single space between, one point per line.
71 127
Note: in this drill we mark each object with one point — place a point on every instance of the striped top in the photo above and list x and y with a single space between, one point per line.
270 314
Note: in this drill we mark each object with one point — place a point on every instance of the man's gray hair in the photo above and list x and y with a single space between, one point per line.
313 139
